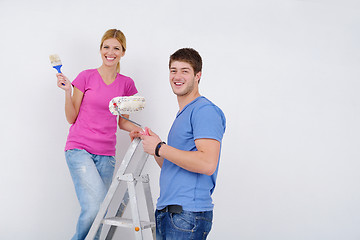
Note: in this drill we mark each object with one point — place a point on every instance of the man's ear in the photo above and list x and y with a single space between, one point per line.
198 76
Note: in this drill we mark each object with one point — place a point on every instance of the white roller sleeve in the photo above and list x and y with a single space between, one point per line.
127 105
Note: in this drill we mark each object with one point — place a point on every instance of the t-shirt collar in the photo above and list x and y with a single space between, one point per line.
187 105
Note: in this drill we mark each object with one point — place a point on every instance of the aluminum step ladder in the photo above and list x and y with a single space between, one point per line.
131 177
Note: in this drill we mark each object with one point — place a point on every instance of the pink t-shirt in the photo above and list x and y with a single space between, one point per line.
95 127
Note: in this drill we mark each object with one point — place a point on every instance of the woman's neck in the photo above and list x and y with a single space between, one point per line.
108 74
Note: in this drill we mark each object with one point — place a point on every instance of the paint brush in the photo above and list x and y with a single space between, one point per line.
55 62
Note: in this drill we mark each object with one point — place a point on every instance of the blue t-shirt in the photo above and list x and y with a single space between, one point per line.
199 119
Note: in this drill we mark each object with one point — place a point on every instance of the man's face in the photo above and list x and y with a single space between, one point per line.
182 78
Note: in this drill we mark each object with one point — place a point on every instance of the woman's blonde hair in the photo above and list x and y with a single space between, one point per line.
118 35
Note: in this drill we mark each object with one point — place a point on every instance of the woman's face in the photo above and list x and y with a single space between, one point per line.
111 52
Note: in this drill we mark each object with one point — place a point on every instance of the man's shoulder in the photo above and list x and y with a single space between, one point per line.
207 113
204 103
208 120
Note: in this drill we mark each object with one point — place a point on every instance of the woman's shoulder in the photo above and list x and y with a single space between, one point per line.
125 78
87 72
84 76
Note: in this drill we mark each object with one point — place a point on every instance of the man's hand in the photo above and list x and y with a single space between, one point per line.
150 142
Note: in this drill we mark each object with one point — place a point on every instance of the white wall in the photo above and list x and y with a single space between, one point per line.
285 72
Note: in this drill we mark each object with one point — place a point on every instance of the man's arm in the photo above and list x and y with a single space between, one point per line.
203 161
159 160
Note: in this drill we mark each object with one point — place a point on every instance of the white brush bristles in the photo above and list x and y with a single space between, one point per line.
55 60
126 105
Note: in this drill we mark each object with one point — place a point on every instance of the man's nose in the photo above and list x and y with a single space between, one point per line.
177 75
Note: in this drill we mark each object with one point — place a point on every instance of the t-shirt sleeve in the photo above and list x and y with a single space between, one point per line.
80 81
208 122
130 88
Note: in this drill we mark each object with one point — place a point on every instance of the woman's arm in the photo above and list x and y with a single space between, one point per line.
72 101
134 131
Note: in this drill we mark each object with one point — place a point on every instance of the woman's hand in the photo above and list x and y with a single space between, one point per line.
63 82
135 133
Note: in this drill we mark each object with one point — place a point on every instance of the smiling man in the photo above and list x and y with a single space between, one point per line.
189 162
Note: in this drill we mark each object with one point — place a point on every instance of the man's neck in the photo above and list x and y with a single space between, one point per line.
185 100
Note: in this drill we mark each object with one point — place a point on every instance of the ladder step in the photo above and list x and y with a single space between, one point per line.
125 222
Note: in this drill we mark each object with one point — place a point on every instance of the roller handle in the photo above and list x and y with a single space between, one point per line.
146 132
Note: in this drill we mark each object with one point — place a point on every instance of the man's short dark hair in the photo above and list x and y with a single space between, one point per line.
188 55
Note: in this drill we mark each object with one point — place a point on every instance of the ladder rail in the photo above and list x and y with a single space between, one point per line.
135 210
129 196
149 202
119 213
125 201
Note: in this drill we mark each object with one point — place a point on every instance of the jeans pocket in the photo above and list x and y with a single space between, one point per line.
204 224
184 221
112 161
72 155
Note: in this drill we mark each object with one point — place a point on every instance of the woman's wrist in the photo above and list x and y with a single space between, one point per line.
68 92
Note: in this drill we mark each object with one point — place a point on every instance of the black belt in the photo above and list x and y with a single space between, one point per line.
172 209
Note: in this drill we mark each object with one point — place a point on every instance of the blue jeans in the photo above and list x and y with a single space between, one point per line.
92 175
186 225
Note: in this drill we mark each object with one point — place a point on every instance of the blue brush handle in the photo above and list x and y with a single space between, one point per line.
57 67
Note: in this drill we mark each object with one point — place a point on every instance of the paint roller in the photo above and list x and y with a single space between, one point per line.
127 105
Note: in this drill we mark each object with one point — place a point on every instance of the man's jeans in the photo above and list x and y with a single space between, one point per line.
92 175
186 225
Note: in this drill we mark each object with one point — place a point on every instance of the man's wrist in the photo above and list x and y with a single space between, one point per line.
157 148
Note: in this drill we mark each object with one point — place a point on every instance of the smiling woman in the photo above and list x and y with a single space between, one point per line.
111 52
90 146
114 40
